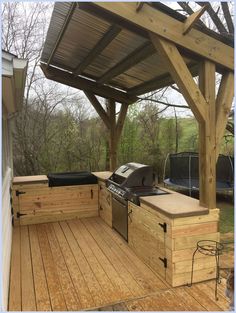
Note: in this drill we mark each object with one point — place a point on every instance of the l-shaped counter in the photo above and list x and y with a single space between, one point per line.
163 231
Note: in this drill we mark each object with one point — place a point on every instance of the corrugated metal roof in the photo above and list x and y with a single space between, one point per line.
83 32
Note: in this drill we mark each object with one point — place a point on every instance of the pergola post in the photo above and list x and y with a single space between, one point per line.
111 111
114 127
207 137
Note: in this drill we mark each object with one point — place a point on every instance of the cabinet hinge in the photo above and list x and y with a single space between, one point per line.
18 214
164 260
19 193
164 226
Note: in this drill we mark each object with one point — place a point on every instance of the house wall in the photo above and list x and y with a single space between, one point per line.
6 209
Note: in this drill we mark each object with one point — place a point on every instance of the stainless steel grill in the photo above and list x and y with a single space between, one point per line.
130 182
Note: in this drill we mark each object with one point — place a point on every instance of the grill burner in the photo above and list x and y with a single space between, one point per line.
129 182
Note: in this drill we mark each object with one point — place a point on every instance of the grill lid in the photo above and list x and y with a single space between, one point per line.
133 174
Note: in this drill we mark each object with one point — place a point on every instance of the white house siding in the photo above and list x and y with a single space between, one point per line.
6 236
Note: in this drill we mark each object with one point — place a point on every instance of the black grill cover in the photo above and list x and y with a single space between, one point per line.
71 178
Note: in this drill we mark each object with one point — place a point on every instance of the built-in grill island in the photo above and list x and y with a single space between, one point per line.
128 183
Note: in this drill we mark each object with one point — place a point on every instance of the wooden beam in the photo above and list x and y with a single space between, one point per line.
99 109
111 110
228 17
69 79
138 55
112 32
223 105
181 75
169 28
214 16
207 138
193 19
159 82
62 31
121 120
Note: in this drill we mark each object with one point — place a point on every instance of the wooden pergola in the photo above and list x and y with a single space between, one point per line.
119 51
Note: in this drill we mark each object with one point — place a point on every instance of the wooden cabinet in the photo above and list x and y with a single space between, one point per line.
167 244
146 236
105 203
35 202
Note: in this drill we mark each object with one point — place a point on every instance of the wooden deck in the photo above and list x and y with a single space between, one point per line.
85 265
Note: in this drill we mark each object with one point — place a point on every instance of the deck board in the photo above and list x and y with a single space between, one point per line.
53 282
40 283
15 276
85 265
27 285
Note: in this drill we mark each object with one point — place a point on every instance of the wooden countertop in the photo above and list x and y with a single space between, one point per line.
174 205
102 175
30 179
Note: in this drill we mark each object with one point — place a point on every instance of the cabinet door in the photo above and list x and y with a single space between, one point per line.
105 204
38 203
147 238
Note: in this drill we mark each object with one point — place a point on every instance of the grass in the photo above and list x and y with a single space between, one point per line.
226 216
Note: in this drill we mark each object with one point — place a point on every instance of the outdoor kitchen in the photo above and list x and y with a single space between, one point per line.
161 226
110 237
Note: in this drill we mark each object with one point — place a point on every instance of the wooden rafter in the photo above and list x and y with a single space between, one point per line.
186 7
86 85
138 55
97 106
112 32
159 82
181 75
193 19
223 105
169 28
228 18
62 32
215 18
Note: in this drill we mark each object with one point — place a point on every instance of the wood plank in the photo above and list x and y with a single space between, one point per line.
121 290
190 302
69 292
138 55
99 109
40 282
27 282
113 140
209 289
171 29
56 216
15 275
68 79
189 242
53 282
199 295
152 281
80 285
195 229
182 76
224 102
107 38
207 138
98 292
127 278
97 271
121 120
29 179
130 265
134 305
193 19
